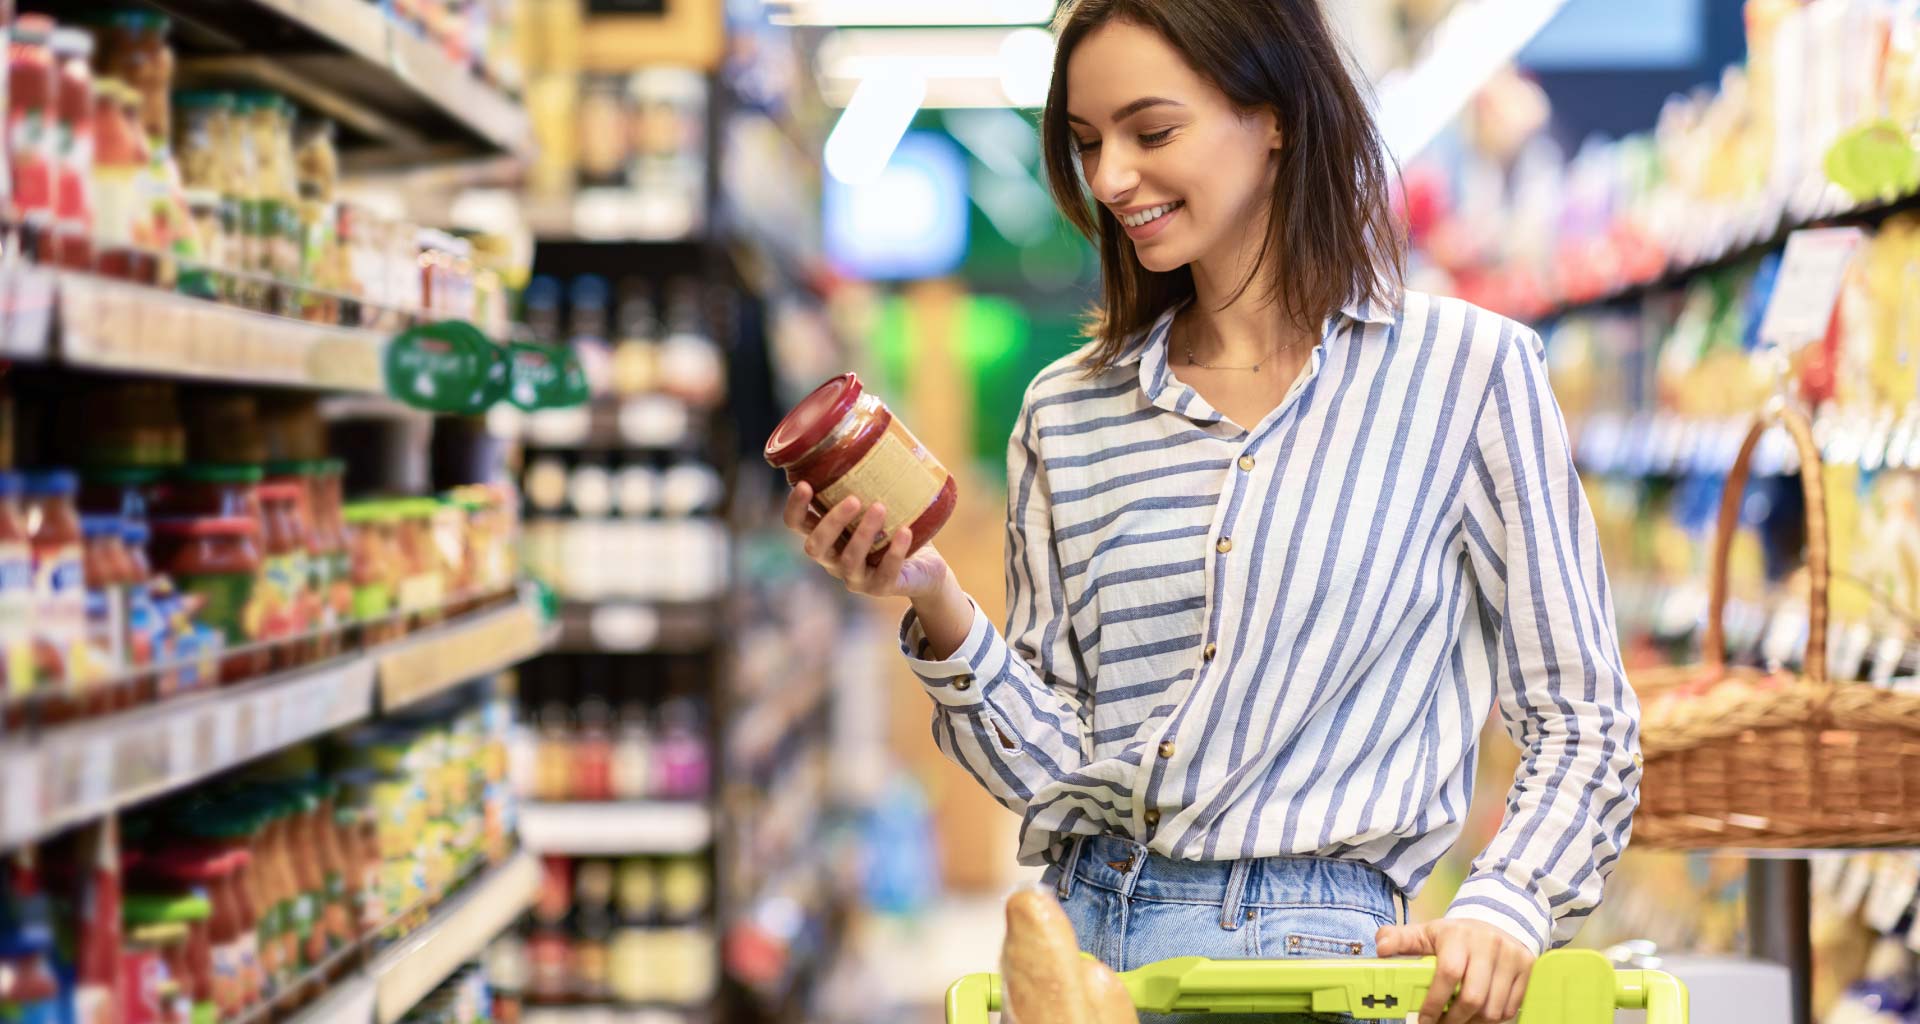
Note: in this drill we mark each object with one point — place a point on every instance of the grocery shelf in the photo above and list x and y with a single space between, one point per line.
73 773
633 627
95 323
1761 242
458 931
613 828
655 422
402 100
609 1015
446 656
79 772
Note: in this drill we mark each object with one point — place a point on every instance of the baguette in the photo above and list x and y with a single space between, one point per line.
1041 963
1106 995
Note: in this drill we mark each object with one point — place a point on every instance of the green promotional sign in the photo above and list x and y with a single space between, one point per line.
545 377
1874 162
446 367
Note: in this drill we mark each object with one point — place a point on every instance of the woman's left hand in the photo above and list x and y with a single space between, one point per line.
1487 966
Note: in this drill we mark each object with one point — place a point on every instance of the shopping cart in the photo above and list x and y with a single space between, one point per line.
1568 986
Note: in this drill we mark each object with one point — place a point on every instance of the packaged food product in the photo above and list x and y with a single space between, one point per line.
119 208
17 583
32 151
209 489
376 567
286 596
217 560
109 571
136 52
844 442
59 580
73 135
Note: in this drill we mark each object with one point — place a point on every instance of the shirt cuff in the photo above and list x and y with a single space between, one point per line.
1498 902
950 681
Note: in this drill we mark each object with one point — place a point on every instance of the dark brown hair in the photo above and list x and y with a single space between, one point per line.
1331 222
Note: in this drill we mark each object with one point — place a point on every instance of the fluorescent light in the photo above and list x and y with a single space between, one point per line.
1026 66
962 67
1476 39
877 115
913 12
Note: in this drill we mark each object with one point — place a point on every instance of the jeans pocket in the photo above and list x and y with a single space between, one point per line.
1317 932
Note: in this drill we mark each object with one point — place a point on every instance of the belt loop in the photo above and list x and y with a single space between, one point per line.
1069 863
1231 901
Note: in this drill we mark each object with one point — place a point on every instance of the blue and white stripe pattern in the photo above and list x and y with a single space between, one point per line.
1231 643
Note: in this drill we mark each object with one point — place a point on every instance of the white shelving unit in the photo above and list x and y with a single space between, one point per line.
615 829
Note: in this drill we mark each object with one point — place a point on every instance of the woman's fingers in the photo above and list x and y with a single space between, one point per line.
821 542
853 558
887 577
799 502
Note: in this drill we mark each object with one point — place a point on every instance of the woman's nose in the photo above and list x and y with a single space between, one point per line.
1114 178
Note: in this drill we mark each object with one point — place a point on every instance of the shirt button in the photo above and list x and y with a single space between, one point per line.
1152 817
1212 649
963 682
1246 463
1166 749
1225 545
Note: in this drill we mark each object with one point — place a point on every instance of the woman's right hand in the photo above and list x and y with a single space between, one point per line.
897 575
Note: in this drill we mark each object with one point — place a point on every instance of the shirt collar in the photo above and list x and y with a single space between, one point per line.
1154 338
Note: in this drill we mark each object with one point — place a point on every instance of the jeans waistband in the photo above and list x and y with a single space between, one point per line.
1127 867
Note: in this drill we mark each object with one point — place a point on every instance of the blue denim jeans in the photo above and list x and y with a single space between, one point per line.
1131 908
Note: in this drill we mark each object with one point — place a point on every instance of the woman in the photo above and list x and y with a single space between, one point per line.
1279 539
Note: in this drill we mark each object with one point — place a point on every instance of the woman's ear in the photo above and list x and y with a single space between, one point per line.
1270 125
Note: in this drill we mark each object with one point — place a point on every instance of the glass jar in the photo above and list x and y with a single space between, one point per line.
287 596
72 186
211 489
217 559
16 597
32 151
844 442
59 583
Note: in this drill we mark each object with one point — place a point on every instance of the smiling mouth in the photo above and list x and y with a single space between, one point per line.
1150 214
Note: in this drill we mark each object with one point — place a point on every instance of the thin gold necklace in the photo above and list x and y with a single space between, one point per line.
1191 361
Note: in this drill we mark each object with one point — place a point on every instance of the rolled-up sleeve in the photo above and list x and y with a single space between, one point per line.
1007 707
1559 682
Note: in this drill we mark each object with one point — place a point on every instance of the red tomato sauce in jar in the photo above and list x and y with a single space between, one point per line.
844 442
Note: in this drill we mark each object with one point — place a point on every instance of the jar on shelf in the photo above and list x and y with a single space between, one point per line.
217 560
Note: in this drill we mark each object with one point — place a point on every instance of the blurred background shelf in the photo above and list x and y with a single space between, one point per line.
616 828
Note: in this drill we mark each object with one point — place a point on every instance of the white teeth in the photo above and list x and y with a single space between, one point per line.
1147 216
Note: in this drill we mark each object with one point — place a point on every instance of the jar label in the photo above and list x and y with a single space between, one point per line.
60 607
16 619
227 603
899 473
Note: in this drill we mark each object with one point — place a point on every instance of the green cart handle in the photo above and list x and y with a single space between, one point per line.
1567 986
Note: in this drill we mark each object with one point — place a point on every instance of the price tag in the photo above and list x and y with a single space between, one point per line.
96 771
183 746
223 742
1808 285
20 799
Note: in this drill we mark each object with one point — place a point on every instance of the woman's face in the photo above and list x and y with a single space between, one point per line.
1187 175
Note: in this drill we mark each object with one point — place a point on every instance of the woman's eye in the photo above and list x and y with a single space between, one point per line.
1086 145
1155 138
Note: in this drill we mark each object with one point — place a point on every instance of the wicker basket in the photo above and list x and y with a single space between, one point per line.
1737 757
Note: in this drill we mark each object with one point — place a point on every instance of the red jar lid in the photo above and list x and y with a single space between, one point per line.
813 419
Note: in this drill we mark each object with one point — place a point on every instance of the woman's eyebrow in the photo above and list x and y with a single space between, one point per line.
1132 108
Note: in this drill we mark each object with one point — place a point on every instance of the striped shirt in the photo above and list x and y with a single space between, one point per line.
1229 643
